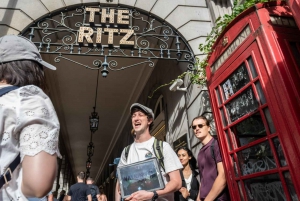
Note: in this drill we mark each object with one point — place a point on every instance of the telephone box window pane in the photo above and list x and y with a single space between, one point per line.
260 93
234 166
258 158
250 129
290 185
236 81
269 120
267 187
252 67
243 104
279 151
228 140
218 96
241 191
224 120
296 52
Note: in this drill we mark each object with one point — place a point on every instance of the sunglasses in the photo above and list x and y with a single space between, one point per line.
199 125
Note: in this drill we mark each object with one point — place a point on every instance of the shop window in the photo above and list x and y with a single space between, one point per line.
159 106
159 130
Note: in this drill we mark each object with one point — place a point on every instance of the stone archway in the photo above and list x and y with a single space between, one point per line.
191 18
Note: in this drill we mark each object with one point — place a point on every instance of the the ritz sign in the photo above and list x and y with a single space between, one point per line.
106 15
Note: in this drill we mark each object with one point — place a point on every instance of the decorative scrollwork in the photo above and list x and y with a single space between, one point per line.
66 40
97 63
152 40
116 50
151 64
141 42
112 64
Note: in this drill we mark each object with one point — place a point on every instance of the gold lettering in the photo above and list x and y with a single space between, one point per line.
110 35
110 16
121 17
124 40
99 34
92 13
85 32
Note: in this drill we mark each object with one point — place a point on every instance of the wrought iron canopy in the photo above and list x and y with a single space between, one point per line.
109 33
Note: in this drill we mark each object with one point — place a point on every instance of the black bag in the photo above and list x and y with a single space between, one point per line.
177 195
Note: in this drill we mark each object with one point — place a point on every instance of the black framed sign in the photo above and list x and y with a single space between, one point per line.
143 175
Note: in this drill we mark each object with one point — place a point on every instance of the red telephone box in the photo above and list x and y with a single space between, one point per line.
295 8
254 81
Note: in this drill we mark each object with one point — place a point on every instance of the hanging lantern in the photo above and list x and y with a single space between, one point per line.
88 164
90 149
94 121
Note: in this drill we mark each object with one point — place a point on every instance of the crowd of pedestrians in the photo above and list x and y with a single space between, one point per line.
29 145
184 181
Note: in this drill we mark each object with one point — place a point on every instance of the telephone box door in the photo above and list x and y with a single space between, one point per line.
250 138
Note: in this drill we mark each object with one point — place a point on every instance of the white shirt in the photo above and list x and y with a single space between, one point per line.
138 152
188 182
28 125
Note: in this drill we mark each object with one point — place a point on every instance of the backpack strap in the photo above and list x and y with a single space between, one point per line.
127 151
7 175
212 149
158 149
5 90
182 179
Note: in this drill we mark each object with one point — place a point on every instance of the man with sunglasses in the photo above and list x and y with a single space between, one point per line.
211 170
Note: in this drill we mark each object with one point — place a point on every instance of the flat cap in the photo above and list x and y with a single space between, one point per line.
142 107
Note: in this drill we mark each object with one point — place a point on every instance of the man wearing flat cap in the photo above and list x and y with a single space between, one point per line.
142 148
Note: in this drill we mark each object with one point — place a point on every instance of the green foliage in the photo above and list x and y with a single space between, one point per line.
198 75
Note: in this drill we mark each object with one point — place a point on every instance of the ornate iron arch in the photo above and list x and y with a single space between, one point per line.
78 32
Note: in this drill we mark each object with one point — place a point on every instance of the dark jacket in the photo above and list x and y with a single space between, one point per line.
194 188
